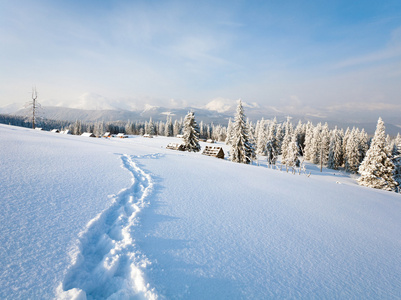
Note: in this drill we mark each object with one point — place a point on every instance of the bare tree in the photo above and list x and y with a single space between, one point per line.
34 106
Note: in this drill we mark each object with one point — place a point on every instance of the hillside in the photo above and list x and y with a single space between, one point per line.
87 218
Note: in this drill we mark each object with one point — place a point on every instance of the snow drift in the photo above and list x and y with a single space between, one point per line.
127 218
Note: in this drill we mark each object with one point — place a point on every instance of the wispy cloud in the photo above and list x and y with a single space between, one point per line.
375 57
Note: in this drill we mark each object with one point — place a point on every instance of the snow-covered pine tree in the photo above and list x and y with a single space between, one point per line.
168 129
286 140
292 152
201 129
352 152
377 168
191 133
396 144
242 150
396 159
299 131
176 128
160 128
325 136
307 151
335 152
251 133
261 138
316 144
77 129
279 137
229 132
363 144
345 141
272 144
256 134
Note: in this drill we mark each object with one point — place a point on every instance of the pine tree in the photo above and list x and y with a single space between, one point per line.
279 137
229 132
335 152
345 142
299 131
242 150
396 159
176 128
292 152
272 144
307 151
168 129
316 144
325 138
261 138
377 168
363 145
286 140
191 133
352 152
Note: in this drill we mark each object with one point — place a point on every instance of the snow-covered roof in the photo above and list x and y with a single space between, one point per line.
216 151
88 134
175 146
55 130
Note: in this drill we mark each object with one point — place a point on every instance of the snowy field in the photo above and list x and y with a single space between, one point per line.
87 218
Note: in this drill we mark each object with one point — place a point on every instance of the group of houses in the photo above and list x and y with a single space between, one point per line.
215 151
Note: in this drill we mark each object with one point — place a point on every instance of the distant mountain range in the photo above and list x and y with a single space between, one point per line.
342 119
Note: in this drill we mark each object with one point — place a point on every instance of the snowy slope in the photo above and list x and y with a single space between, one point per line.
97 218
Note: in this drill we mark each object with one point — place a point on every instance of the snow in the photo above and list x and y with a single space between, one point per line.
126 218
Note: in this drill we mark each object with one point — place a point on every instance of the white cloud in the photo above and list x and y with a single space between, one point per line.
221 105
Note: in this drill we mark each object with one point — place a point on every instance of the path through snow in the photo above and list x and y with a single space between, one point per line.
107 263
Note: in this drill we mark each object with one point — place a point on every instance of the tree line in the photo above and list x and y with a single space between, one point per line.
349 149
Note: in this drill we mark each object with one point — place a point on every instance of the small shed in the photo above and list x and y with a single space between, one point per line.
122 136
175 146
38 128
210 141
180 136
148 135
88 134
55 130
107 134
216 151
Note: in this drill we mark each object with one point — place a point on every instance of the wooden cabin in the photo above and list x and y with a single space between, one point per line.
55 131
148 135
88 134
216 151
107 135
175 146
121 135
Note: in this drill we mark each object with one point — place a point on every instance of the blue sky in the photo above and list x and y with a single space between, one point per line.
292 55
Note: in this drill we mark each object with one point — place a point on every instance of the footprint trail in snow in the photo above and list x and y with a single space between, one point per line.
107 263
